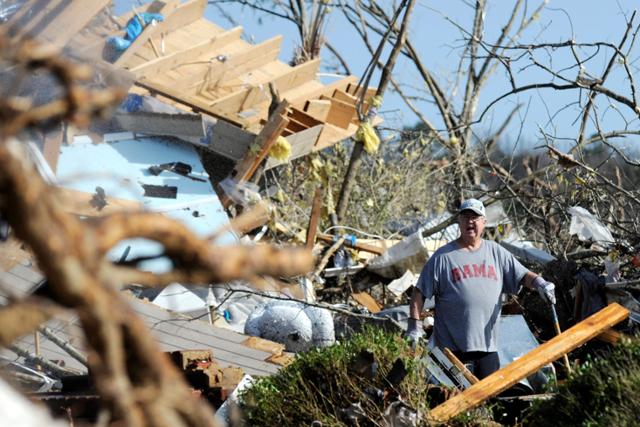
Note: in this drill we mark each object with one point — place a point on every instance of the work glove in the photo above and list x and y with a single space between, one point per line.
414 332
545 289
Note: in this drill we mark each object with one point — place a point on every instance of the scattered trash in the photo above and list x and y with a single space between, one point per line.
588 228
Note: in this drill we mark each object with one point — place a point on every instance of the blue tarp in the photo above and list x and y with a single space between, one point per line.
134 28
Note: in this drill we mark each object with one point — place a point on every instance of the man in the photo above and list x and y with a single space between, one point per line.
466 278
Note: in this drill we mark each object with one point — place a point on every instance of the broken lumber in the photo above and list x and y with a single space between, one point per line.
312 230
367 301
530 363
360 246
461 366
245 169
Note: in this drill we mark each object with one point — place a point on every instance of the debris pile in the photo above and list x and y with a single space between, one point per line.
200 266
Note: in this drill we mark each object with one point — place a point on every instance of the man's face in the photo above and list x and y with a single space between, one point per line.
471 225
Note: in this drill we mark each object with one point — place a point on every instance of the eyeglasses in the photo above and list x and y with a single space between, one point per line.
471 217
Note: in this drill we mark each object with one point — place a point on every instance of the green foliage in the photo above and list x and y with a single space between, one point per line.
318 383
602 392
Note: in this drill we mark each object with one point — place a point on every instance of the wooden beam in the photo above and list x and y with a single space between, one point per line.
245 169
314 218
185 14
35 22
190 101
529 363
247 98
235 64
12 25
162 65
71 20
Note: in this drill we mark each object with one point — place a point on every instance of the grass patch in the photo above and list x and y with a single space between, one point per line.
601 392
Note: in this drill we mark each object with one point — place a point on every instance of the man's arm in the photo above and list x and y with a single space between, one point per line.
528 279
415 306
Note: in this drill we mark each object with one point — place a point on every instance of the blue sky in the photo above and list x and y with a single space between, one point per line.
438 42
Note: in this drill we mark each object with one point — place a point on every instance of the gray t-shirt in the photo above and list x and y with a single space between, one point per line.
467 286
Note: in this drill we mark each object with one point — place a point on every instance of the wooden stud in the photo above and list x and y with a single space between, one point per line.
314 218
341 113
157 66
254 56
303 117
529 363
343 96
318 109
179 17
245 169
69 22
35 23
245 99
298 100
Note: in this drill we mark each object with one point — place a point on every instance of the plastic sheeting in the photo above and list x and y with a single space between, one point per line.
589 228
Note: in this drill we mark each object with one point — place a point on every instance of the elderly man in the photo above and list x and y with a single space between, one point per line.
466 277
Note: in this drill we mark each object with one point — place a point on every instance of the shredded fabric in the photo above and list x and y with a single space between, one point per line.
367 135
134 28
281 149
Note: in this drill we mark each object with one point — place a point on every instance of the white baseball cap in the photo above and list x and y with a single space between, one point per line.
474 205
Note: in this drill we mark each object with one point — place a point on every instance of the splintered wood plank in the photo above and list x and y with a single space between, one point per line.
264 345
179 17
314 218
530 363
341 114
235 64
367 301
152 68
265 140
318 109
245 169
247 98
71 20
